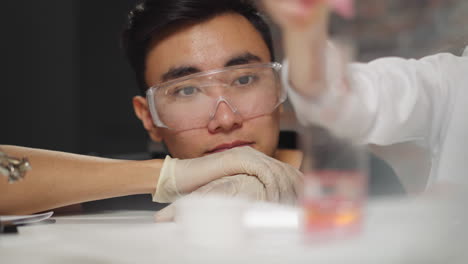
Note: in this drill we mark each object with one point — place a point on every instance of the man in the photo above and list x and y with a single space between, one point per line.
212 96
196 116
210 36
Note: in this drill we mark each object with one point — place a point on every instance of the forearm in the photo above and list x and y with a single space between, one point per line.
59 179
305 49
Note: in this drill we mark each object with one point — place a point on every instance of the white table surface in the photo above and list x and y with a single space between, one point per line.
396 231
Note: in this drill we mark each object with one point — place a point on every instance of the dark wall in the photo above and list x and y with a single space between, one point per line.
108 123
39 77
65 84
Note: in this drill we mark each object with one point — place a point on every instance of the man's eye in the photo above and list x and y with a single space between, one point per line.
186 91
245 80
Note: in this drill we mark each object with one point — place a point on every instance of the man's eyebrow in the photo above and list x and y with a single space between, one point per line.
182 71
178 72
245 58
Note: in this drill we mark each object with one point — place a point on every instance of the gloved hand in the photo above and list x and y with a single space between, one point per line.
242 185
239 185
252 188
179 177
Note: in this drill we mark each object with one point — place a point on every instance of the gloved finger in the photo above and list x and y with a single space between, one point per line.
223 186
247 160
251 188
193 174
211 167
166 214
269 174
291 185
241 185
280 179
245 186
269 183
270 179
242 160
283 183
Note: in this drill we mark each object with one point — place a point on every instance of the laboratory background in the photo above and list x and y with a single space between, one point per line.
67 86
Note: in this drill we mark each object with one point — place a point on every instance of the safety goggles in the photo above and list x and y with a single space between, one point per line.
191 101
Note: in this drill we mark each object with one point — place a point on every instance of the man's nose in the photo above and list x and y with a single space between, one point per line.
224 118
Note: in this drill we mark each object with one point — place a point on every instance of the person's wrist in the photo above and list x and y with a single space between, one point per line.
125 177
147 172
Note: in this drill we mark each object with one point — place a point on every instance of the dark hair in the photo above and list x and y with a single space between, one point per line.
155 16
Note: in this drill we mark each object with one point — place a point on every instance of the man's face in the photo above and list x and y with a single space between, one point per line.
222 41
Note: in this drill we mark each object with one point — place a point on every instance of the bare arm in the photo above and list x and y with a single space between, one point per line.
304 27
58 179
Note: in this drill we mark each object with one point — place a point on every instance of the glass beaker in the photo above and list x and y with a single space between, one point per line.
335 185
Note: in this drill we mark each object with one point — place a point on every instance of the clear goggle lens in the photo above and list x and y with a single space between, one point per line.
191 102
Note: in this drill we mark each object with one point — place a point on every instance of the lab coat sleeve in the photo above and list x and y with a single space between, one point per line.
385 101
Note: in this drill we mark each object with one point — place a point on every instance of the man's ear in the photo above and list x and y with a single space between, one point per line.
140 106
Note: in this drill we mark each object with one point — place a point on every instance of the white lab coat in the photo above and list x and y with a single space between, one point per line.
415 112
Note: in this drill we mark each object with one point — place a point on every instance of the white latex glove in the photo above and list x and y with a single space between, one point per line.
252 188
179 177
239 185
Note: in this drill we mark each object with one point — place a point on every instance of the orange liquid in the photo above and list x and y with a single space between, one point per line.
329 216
336 205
